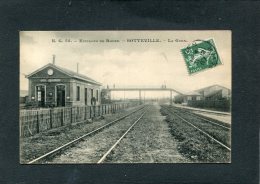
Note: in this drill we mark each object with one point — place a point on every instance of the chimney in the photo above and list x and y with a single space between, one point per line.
53 59
77 67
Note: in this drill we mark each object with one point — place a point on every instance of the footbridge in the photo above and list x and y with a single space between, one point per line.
171 90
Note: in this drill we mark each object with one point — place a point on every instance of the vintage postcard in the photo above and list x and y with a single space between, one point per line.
125 97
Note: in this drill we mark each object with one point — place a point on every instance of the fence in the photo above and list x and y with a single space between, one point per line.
36 121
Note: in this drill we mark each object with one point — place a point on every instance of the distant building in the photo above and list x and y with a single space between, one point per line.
105 96
53 86
187 97
214 92
23 96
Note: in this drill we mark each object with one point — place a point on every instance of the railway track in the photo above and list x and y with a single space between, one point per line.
216 123
118 141
204 111
207 128
64 147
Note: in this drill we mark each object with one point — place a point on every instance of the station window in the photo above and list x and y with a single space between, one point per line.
78 93
97 95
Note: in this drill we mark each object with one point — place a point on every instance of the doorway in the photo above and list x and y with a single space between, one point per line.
60 95
40 90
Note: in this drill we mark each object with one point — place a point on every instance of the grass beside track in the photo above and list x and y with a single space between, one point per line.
193 144
219 133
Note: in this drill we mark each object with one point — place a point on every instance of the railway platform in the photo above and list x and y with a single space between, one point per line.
217 115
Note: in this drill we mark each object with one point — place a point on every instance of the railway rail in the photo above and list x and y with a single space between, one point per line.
204 111
81 138
222 124
198 128
118 141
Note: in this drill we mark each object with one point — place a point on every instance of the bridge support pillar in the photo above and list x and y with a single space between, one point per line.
171 97
109 95
140 97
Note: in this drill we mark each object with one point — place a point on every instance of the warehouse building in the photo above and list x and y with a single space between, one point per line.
214 92
54 86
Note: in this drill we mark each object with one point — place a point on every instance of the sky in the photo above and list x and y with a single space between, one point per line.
123 63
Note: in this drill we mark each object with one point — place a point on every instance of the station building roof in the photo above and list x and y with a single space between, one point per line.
215 85
70 73
212 93
191 93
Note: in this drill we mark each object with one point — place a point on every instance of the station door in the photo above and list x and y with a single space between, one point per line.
60 96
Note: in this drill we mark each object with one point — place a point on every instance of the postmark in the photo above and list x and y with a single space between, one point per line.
201 55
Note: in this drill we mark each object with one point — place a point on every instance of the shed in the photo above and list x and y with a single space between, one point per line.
193 95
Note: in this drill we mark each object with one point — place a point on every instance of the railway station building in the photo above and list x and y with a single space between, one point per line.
54 86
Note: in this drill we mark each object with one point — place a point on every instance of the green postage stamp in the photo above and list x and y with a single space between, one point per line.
201 56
